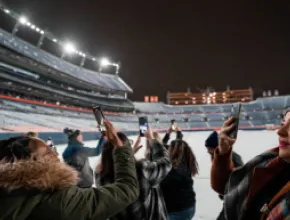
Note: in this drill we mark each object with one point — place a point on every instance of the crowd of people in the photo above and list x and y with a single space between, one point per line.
36 184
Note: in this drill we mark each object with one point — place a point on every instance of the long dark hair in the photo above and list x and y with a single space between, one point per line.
107 173
15 148
180 151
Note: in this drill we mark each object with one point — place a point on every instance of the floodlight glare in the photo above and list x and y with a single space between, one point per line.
28 24
69 48
33 27
42 32
7 11
37 29
54 40
105 62
94 59
23 20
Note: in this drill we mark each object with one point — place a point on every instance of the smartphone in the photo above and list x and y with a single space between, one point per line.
173 125
143 125
235 113
98 113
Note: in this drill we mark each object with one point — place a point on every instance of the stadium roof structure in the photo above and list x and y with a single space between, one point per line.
68 47
107 80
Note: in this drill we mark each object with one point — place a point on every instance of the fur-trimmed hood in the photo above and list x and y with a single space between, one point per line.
36 174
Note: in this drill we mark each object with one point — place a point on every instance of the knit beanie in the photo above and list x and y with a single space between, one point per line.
72 134
212 140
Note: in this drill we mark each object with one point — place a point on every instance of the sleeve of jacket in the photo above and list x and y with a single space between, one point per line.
237 160
221 169
166 138
156 169
93 152
179 135
106 201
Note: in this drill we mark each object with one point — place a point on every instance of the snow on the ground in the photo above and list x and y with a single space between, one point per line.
249 144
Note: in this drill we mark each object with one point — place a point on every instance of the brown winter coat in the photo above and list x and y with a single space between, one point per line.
222 169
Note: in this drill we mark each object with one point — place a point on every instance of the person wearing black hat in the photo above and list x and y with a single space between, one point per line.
211 144
77 156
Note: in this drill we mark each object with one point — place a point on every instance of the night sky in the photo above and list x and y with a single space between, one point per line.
172 45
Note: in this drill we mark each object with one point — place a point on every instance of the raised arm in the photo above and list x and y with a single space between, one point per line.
156 169
221 169
166 138
93 152
222 165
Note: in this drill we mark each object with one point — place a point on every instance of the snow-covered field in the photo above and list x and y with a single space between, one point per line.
249 144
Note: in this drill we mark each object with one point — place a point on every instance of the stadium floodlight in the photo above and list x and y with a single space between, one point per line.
33 26
105 62
94 59
69 48
54 40
23 20
37 29
7 11
42 32
28 24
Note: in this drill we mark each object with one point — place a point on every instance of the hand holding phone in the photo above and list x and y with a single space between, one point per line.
112 134
226 142
235 115
173 125
143 125
99 116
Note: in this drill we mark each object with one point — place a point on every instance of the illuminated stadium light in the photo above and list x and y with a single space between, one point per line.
23 20
69 48
105 62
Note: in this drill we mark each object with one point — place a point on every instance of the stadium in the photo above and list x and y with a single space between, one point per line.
43 92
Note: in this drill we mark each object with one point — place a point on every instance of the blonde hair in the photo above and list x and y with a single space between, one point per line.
157 137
